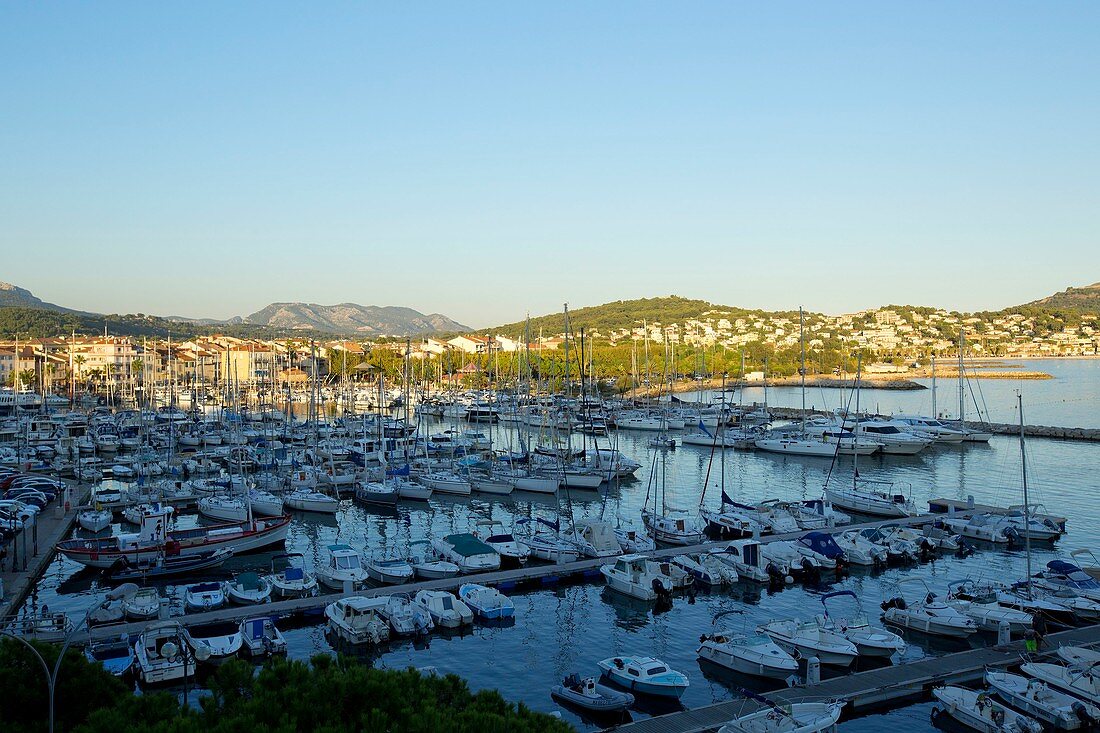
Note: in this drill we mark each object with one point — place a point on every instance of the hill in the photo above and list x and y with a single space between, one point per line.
628 314
352 318
12 296
1083 300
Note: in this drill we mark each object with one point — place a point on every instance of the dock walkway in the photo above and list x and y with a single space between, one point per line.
863 689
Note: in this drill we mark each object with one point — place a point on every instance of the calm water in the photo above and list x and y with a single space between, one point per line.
569 628
1070 399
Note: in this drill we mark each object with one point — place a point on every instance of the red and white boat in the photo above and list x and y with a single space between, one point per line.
153 542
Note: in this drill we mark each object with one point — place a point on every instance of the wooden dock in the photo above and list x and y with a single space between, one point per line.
957 506
504 580
866 689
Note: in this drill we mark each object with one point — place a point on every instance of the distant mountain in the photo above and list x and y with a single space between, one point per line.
1083 300
351 318
12 296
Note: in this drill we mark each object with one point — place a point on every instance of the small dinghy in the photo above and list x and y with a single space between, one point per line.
587 693
487 603
204 597
248 589
645 674
261 637
981 712
1037 699
803 717
429 568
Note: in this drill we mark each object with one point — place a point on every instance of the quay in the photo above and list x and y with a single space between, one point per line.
870 688
504 580
32 549
955 506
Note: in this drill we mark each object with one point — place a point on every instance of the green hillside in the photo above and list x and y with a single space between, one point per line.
40 323
1083 300
627 314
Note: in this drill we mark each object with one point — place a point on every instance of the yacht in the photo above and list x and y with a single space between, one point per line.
467 551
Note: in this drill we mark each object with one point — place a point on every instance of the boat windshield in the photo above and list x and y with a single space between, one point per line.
347 562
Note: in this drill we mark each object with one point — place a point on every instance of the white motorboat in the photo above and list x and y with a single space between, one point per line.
310 500
427 567
405 617
870 641
786 559
552 547
390 570
204 596
487 603
939 431
822 548
446 610
468 552
411 490
639 577
861 551
358 620
597 539
162 655
1081 683
1035 698
978 710
929 615
485 484
980 604
733 520
983 527
818 514
775 517
801 717
645 674
342 568
525 481
895 439
745 557
1059 573
293 580
248 588
706 569
224 508
1077 656
754 654
796 446
214 642
261 637
808 639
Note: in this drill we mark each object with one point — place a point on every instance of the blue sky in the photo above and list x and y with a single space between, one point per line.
488 159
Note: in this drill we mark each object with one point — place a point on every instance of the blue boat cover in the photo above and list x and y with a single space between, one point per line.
823 544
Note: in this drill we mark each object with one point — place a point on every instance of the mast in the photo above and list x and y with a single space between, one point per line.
934 414
1027 507
802 368
855 429
962 394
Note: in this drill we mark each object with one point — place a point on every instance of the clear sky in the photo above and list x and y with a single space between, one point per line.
487 159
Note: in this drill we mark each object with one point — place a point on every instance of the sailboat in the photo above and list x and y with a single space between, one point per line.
670 526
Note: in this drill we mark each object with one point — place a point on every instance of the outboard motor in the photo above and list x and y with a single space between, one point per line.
810 570
775 575
664 595
1082 714
927 552
965 550
896 602
1013 537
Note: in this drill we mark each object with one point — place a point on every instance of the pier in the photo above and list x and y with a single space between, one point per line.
870 688
504 580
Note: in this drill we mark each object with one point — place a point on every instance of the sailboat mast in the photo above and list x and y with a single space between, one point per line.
934 414
1027 507
962 395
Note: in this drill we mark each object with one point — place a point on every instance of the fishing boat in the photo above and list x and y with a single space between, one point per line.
152 542
261 637
342 566
358 620
801 717
588 694
1057 709
752 654
978 710
487 603
808 639
248 589
467 551
165 566
645 674
446 611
